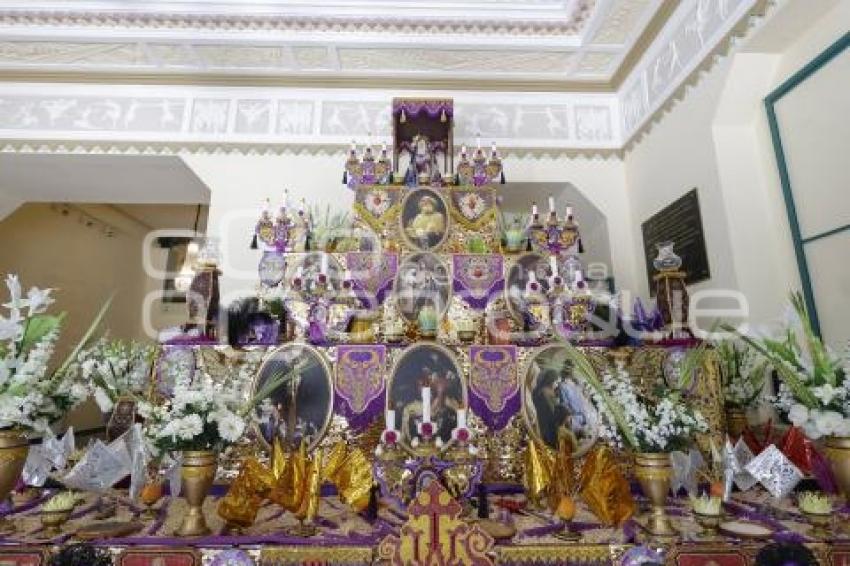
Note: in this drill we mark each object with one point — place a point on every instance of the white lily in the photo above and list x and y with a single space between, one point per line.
39 300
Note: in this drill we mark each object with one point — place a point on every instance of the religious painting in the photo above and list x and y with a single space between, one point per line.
557 402
434 367
528 267
307 267
301 407
424 219
422 279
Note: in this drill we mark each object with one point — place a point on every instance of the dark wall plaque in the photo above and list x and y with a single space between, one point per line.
680 222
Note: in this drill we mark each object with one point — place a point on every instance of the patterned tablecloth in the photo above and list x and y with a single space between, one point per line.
345 537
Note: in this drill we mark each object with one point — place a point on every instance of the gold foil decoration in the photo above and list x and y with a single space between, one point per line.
350 471
562 484
538 470
289 489
294 482
604 488
278 458
246 494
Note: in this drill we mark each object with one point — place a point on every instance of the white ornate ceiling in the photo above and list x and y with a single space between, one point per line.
533 41
568 74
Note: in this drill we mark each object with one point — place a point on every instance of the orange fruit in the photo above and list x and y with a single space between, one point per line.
151 493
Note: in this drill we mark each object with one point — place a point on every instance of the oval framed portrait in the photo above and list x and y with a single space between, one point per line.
518 276
556 403
426 365
424 219
423 278
300 409
308 265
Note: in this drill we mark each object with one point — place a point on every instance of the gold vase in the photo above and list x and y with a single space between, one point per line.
736 421
653 472
14 448
837 450
197 474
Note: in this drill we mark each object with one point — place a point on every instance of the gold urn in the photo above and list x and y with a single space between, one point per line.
837 450
197 473
14 448
653 472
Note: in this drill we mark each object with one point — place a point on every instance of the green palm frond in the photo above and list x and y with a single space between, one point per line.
585 369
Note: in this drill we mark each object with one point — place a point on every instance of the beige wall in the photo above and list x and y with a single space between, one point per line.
47 249
717 140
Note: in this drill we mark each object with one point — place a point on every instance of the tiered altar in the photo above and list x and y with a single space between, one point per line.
433 392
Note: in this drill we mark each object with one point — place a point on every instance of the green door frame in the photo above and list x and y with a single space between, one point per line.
796 235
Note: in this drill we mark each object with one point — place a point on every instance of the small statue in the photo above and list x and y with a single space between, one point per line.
423 168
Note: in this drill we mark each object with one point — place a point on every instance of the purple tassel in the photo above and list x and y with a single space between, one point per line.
345 177
503 178
254 242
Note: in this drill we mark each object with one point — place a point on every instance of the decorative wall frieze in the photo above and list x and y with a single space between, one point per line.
275 116
696 31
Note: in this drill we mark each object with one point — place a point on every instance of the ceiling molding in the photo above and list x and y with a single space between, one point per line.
159 111
531 17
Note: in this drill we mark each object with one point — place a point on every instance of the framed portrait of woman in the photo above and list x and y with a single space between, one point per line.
424 219
423 279
426 365
557 403
302 407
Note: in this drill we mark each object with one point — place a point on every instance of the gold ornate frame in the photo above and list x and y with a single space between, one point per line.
464 387
403 233
329 376
524 390
449 273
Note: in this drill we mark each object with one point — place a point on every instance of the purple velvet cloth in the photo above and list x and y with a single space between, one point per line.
432 108
493 373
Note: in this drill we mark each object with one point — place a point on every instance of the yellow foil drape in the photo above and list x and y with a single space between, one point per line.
604 488
294 482
549 472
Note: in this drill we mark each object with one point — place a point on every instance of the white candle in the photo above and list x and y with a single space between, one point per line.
553 265
579 276
478 140
493 148
534 209
463 149
389 419
347 275
353 145
426 404
461 418
325 264
532 277
384 147
551 204
569 212
266 205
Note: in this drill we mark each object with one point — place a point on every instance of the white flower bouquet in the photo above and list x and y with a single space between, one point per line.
743 373
204 413
629 419
31 396
115 369
815 389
